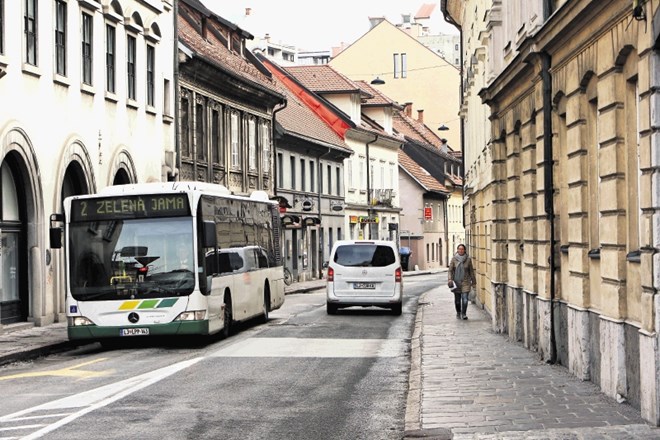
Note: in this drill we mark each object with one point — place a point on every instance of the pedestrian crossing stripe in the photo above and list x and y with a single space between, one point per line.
148 304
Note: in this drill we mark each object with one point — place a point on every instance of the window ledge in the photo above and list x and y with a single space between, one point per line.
167 119
31 70
594 254
634 256
87 89
90 4
61 80
112 97
151 110
4 61
132 103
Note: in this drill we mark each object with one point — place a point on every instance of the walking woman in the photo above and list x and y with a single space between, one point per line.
461 280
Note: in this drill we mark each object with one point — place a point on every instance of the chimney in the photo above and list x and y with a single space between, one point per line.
420 116
407 109
248 11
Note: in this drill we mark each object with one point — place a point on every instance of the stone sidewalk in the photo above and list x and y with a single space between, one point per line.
468 382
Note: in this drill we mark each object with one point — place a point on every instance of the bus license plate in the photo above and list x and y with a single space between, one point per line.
134 332
364 286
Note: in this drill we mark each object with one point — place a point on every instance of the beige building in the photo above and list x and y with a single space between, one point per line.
562 192
87 102
411 71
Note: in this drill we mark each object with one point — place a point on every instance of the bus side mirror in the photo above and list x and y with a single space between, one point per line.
56 231
209 237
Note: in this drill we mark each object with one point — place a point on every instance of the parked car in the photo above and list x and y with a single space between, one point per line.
364 273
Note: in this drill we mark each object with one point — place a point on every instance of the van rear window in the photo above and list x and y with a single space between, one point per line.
365 255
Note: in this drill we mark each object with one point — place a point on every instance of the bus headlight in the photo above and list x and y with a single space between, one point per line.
195 315
75 321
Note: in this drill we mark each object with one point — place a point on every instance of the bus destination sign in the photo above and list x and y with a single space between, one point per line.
123 207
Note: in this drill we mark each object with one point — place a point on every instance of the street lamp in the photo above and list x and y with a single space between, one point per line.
377 81
443 127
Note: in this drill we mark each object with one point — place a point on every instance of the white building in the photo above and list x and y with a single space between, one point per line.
87 91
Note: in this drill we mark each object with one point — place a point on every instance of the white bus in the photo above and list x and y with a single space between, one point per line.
177 258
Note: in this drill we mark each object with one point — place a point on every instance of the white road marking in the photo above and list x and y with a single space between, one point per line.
307 347
97 398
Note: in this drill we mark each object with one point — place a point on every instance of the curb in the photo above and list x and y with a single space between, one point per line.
34 353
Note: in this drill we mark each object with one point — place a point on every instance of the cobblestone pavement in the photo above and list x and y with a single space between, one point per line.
471 383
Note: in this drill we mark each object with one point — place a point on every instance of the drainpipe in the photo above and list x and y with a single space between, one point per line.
369 210
549 189
319 185
274 152
177 143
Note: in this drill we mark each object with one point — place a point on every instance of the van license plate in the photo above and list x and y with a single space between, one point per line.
364 286
134 332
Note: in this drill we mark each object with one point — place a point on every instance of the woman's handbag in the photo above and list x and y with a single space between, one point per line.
472 296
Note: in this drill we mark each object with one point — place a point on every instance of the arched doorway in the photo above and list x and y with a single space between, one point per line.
121 178
74 182
14 297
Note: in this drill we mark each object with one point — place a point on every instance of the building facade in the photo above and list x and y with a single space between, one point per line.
91 90
411 73
565 223
227 100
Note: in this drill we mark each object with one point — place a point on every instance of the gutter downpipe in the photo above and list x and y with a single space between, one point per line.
319 186
274 153
177 142
369 210
549 189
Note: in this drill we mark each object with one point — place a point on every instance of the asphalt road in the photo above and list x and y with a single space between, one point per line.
303 375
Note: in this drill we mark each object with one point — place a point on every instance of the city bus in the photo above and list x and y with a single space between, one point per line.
176 258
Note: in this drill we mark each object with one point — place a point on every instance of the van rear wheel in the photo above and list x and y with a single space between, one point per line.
397 309
331 309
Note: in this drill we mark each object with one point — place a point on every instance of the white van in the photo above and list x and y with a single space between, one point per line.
364 273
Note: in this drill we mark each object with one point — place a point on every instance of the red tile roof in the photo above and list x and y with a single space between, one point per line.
425 10
420 174
299 120
373 97
323 79
418 131
216 52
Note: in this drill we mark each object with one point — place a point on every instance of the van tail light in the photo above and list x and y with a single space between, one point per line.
331 274
397 275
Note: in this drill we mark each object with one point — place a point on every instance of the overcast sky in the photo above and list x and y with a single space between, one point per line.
318 25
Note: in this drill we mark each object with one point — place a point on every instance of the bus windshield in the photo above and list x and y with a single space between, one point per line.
131 258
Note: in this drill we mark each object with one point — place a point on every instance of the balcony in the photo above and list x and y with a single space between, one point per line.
382 197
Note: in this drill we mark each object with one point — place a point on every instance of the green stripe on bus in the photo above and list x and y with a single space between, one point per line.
167 302
148 304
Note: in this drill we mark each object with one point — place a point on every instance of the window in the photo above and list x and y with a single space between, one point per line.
30 20
60 37
185 126
252 144
110 49
312 180
151 66
233 140
200 143
320 178
265 147
215 136
130 66
363 182
292 171
303 181
338 180
87 32
404 65
382 176
280 170
349 171
329 179
396 65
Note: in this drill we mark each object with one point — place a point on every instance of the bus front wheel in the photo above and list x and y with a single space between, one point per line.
226 329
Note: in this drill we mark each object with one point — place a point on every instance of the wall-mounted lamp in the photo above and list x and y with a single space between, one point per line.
377 81
443 127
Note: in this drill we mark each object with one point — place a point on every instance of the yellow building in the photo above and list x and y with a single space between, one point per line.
562 192
412 73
